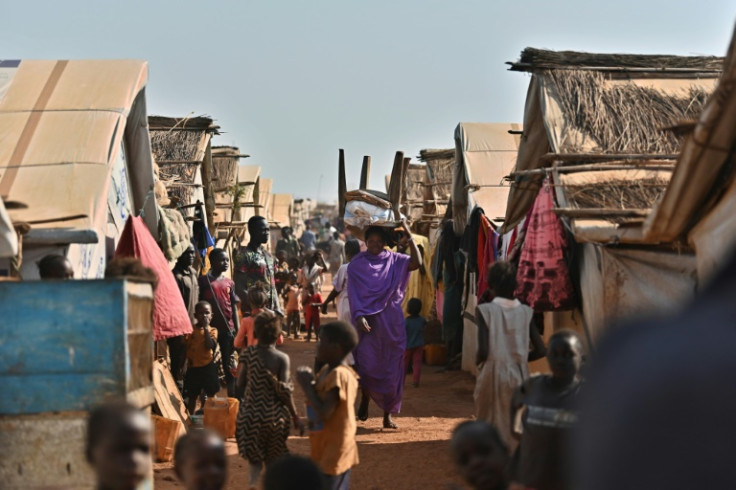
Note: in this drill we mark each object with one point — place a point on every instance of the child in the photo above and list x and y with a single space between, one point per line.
257 299
550 415
414 325
119 445
312 271
480 455
331 404
54 266
505 332
201 373
312 301
293 473
268 407
293 321
339 292
199 460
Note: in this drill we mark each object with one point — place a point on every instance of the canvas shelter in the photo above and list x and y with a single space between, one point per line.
594 125
248 180
75 154
281 212
485 155
440 164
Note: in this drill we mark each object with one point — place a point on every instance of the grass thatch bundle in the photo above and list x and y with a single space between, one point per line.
175 145
624 117
225 167
616 194
440 164
543 58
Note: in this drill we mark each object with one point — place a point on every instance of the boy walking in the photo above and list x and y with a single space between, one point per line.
312 302
202 372
331 405
415 324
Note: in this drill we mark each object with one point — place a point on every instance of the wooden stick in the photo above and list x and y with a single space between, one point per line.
395 185
365 173
342 186
602 212
601 157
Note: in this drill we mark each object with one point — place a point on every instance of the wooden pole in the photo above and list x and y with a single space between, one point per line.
365 173
342 184
396 184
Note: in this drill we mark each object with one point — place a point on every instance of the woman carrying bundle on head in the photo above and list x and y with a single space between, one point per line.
378 279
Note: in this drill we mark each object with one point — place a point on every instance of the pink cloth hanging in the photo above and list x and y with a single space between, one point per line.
543 276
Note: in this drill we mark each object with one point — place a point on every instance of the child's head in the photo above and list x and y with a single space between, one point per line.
414 306
310 288
336 340
564 354
119 444
203 313
292 278
219 261
480 455
199 460
312 259
293 472
502 279
281 256
267 327
54 266
352 248
257 297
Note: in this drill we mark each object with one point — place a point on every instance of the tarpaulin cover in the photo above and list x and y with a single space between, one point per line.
486 153
702 158
543 276
170 317
281 209
618 283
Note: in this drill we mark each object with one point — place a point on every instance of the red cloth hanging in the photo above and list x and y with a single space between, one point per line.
170 317
543 276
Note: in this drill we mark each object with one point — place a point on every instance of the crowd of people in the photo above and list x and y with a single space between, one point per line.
519 439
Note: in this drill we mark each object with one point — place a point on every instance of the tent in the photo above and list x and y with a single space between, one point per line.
75 151
485 155
593 125
8 237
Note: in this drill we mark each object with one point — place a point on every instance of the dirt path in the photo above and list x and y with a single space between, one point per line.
413 457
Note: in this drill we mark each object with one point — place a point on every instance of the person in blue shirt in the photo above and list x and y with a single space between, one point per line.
308 239
414 324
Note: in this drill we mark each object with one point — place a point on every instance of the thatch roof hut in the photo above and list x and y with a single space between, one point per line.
604 112
182 151
225 173
440 164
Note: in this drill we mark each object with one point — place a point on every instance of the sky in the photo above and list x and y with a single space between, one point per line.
291 82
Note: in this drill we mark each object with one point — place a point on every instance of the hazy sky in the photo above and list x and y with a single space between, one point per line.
291 82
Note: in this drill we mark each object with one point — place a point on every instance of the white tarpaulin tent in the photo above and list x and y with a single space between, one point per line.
486 153
75 149
8 237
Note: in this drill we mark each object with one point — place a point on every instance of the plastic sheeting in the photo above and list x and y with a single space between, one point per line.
620 283
486 154
8 237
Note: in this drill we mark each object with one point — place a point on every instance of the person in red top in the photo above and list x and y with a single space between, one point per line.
219 292
312 301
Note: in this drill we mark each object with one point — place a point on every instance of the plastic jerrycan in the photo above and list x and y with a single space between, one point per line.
216 416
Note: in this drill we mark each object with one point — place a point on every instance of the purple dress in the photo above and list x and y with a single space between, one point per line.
377 287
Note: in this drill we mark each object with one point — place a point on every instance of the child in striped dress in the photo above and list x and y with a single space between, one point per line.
268 407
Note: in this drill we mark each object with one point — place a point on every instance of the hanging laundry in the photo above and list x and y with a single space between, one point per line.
543 276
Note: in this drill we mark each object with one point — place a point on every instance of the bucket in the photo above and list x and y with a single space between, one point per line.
216 416
233 405
435 354
167 433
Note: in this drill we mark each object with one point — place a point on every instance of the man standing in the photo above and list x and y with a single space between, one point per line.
255 266
337 253
288 244
186 279
308 239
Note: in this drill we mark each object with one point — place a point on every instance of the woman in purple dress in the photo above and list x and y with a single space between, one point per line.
378 279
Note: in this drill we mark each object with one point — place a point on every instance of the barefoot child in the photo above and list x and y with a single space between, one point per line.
550 415
339 293
199 460
268 407
201 375
119 445
291 294
414 324
331 405
480 455
312 302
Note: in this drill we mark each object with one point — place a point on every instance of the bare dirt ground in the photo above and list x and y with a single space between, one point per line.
415 456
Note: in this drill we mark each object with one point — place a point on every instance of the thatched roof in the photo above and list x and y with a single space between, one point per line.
624 117
225 166
440 163
533 59
178 146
